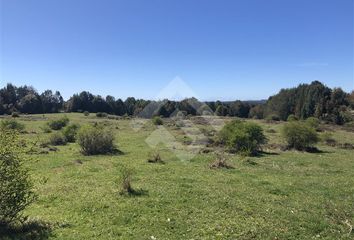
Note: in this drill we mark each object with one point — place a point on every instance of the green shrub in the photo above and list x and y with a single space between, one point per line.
292 117
12 125
15 114
245 138
70 132
46 129
157 120
101 114
272 117
299 135
86 113
313 122
57 138
58 124
15 186
95 140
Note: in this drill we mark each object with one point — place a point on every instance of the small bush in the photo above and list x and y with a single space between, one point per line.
220 162
346 146
157 120
187 140
95 140
46 129
58 124
272 118
155 158
15 186
313 122
86 113
12 125
180 124
292 117
101 114
57 138
328 139
243 137
125 180
299 135
346 116
70 132
15 114
349 126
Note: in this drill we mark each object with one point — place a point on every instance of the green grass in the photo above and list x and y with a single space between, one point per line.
279 195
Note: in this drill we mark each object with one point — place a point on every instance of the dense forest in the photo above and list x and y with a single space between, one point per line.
303 101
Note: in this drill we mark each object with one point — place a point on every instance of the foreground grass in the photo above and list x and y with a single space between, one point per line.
279 195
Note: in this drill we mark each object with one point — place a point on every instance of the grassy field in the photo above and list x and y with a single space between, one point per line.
278 195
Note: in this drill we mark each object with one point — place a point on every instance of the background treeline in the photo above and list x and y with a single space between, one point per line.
312 100
306 100
26 99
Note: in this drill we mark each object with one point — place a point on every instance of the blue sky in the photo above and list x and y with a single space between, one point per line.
222 49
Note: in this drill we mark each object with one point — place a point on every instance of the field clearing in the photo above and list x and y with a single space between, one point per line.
278 195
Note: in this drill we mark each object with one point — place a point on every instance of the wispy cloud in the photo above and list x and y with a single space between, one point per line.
312 64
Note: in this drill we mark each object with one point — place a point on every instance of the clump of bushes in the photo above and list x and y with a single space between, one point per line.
58 124
15 114
12 125
299 135
70 132
15 186
245 138
101 114
86 113
95 140
57 138
157 120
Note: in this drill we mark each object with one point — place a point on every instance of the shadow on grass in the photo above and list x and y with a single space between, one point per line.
134 193
263 153
116 151
308 150
112 152
30 230
315 150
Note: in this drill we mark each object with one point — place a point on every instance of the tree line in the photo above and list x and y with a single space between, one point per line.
303 101
312 100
